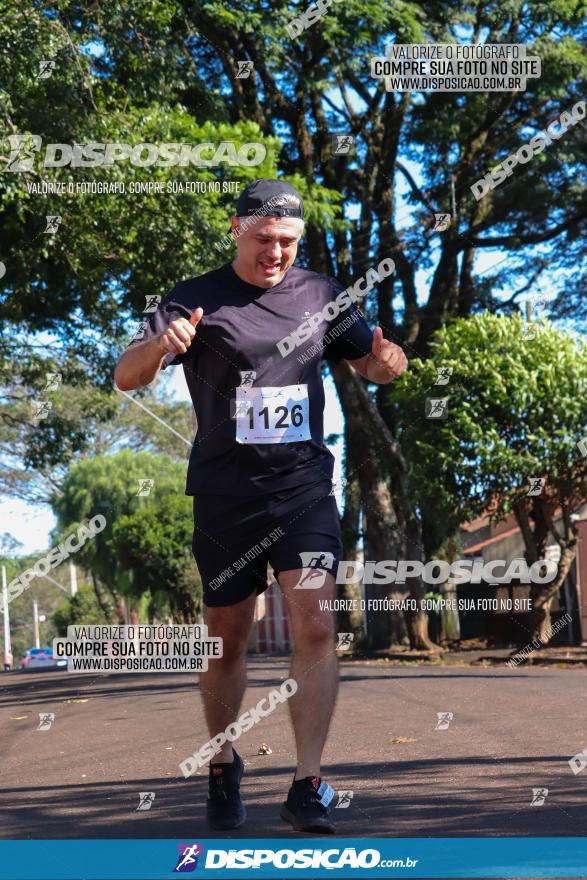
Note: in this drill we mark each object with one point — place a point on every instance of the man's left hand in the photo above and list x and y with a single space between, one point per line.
387 361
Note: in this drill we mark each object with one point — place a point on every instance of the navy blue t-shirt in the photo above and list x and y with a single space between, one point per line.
259 406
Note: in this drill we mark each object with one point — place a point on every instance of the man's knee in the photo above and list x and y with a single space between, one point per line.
234 632
234 646
317 630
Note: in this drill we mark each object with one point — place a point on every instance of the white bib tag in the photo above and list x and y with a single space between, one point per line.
272 415
325 793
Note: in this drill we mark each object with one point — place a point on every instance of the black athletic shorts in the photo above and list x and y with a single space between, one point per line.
235 538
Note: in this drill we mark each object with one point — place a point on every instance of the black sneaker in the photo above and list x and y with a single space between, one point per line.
224 807
306 807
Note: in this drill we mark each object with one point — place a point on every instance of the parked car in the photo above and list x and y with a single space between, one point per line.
40 658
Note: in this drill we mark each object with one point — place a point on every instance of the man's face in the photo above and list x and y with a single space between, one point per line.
266 249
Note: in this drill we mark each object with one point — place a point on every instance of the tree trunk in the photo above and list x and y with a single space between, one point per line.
185 608
104 599
391 529
403 537
416 621
368 469
350 620
122 611
543 595
384 628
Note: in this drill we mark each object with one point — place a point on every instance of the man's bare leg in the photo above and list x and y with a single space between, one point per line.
314 667
223 684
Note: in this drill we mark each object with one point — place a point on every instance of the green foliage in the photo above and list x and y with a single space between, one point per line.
81 609
47 595
134 245
8 545
153 545
83 421
122 75
144 551
158 70
108 485
517 407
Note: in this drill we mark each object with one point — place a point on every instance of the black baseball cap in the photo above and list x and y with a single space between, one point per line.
270 198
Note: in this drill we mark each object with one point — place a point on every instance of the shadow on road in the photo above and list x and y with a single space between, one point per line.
382 805
49 687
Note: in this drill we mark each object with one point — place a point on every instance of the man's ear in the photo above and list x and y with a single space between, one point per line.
234 223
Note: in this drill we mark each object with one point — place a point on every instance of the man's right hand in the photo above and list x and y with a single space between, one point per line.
141 363
180 334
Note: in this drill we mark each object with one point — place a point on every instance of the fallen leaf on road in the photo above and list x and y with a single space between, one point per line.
18 717
397 740
264 749
75 701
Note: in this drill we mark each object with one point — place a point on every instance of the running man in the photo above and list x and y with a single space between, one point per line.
259 469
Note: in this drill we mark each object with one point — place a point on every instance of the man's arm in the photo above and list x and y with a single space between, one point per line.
384 363
141 363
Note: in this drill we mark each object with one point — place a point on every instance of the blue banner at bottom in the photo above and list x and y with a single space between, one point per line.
449 857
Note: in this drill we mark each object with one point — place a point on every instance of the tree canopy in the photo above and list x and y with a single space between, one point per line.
516 412
137 494
168 71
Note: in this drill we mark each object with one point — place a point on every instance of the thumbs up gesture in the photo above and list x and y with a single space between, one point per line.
181 332
387 361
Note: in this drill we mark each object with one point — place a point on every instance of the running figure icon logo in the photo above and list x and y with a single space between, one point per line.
441 222
52 221
345 641
342 144
315 566
536 485
46 719
444 719
188 857
436 408
443 375
247 378
578 762
52 382
244 69
46 68
146 799
539 796
43 408
151 303
344 800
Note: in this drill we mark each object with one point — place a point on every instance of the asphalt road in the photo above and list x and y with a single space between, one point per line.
512 730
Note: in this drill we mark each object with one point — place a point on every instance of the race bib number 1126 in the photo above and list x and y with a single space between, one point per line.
272 415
